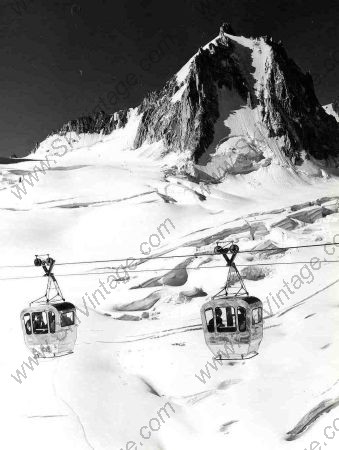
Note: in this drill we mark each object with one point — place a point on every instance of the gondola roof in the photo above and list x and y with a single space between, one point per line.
249 299
63 306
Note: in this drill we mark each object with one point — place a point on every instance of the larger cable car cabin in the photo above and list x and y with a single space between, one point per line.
232 321
49 323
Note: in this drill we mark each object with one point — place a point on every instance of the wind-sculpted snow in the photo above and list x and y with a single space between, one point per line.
308 215
287 223
153 298
215 237
187 296
266 249
330 207
178 275
323 407
254 273
128 317
141 305
174 277
301 206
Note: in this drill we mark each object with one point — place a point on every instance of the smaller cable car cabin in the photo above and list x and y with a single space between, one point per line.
232 321
49 323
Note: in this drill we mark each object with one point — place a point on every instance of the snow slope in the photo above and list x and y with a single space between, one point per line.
330 110
101 201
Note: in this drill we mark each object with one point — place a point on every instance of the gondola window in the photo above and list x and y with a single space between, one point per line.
256 316
40 323
227 324
209 320
28 323
67 318
241 318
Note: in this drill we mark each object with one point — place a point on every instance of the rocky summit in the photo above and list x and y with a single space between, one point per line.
240 100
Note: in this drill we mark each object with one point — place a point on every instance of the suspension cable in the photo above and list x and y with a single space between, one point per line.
195 255
168 269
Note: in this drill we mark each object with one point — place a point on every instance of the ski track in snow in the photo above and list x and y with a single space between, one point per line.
75 415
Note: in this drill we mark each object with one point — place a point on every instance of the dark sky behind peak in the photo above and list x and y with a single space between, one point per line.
61 59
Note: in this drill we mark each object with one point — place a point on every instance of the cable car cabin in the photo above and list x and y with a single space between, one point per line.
233 326
48 323
232 320
50 329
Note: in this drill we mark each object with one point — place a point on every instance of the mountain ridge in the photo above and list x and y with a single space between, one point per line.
232 80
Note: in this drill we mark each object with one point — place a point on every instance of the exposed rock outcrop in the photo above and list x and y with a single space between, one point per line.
291 110
100 122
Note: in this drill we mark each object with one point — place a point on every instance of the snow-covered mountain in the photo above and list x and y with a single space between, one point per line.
240 102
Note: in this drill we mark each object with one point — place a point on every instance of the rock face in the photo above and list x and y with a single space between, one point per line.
335 106
100 122
291 109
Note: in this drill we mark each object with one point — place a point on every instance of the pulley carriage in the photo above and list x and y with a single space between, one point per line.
232 320
49 323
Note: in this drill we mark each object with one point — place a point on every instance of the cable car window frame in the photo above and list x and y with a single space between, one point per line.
228 328
245 314
257 312
209 330
63 314
51 324
45 330
29 321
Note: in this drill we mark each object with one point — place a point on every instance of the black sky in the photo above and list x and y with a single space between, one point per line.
59 57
